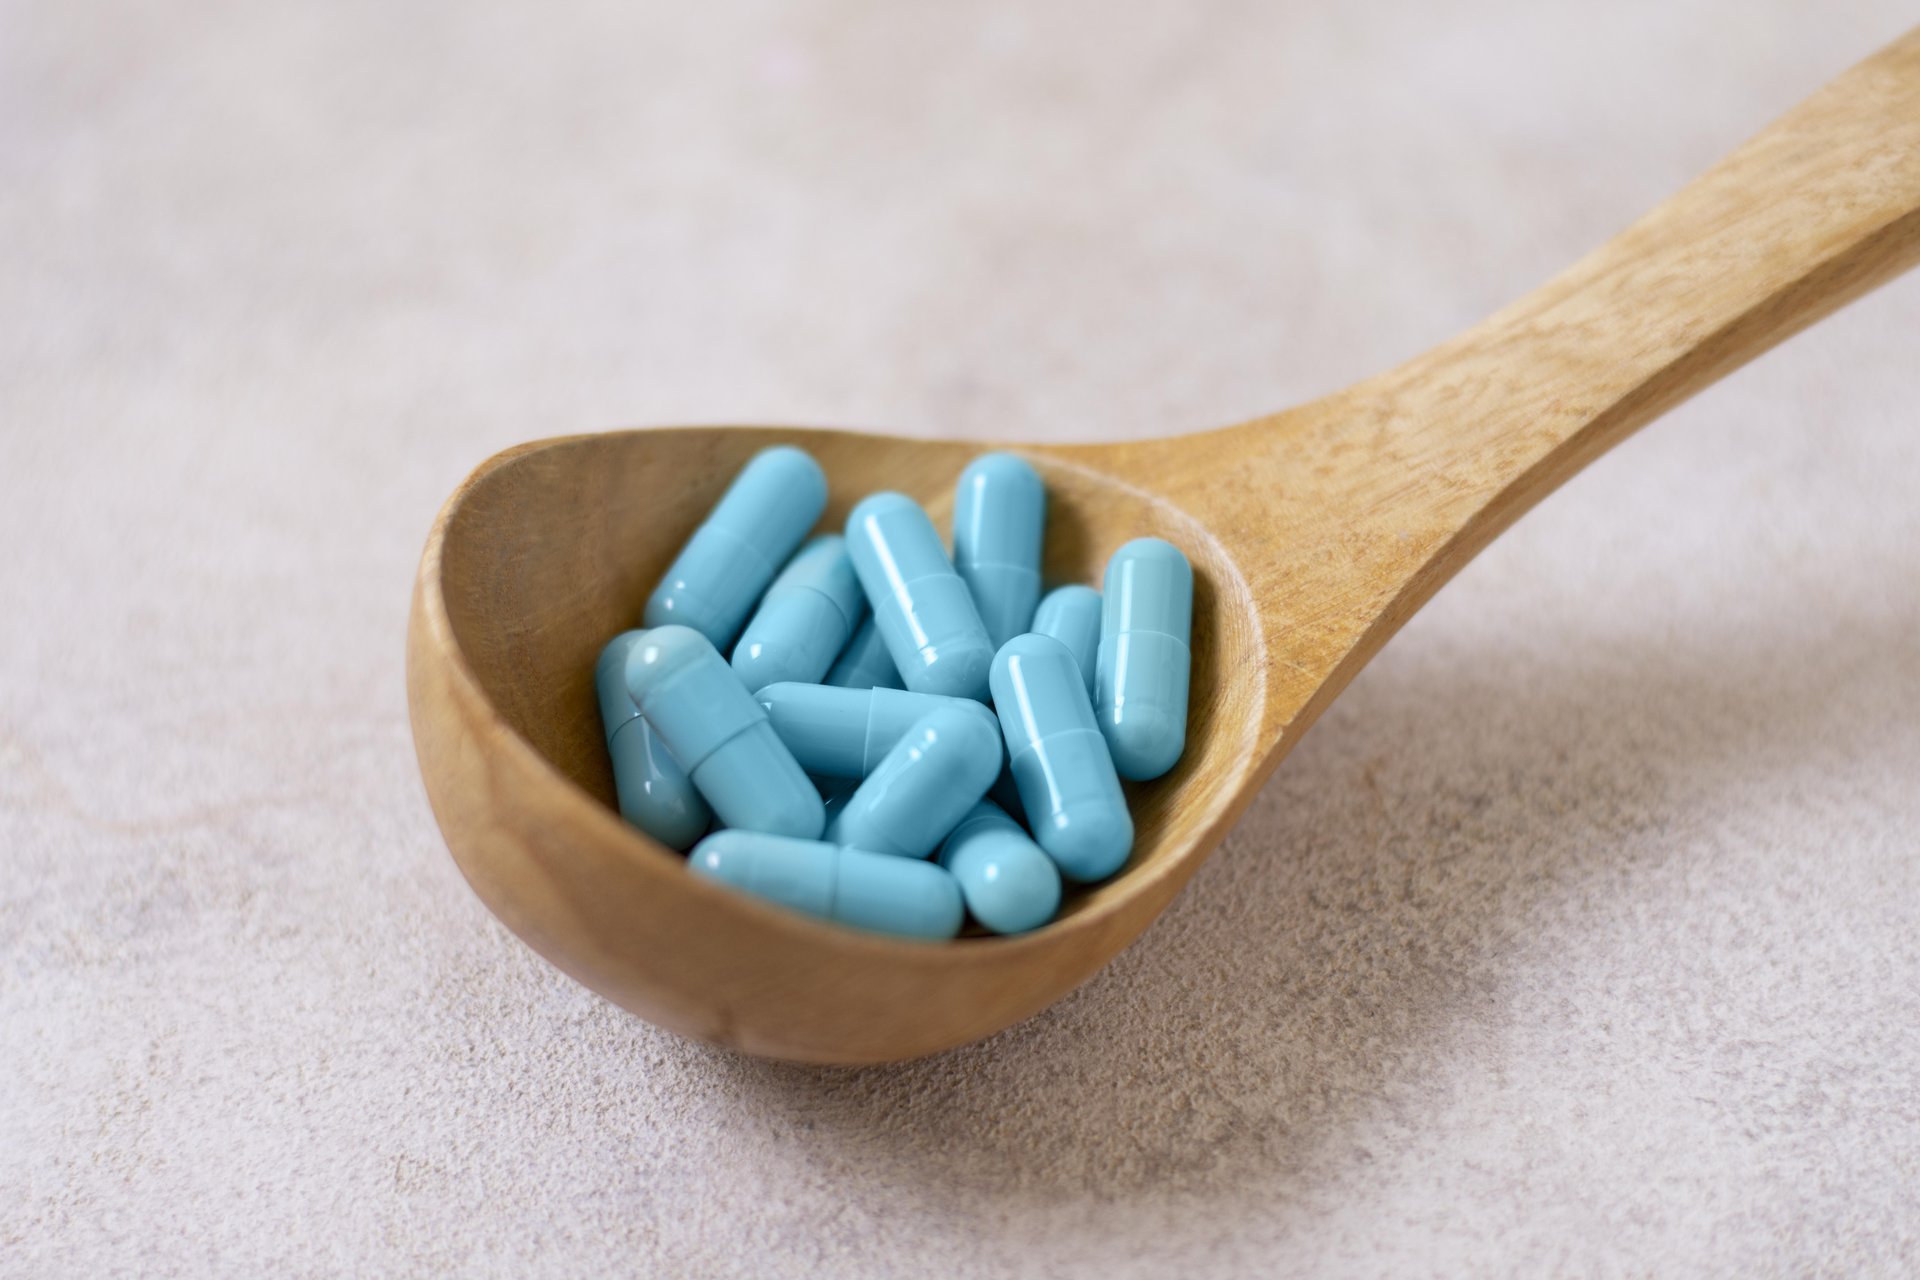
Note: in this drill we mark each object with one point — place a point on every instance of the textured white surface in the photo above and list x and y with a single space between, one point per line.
1579 937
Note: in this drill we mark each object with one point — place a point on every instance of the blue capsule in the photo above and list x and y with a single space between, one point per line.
901 896
999 517
766 511
1071 615
1140 685
865 663
924 612
844 733
936 772
1067 784
720 735
805 618
1009 883
654 792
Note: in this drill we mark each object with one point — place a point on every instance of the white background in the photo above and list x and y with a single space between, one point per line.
1579 937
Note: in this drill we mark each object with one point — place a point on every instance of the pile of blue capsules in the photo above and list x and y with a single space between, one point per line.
845 748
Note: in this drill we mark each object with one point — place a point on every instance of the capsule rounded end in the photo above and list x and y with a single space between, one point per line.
1017 895
956 671
675 604
610 682
1073 595
774 692
1147 743
660 653
1029 647
653 792
675 820
881 504
1009 883
792 640
1001 466
613 659
1151 549
793 472
1030 644
1090 844
798 874
726 856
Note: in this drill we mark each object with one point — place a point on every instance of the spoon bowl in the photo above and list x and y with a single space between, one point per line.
1313 535
548 549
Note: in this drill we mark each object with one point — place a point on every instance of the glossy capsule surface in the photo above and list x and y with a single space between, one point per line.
904 897
714 582
653 791
1071 615
1067 783
865 662
924 785
1009 883
844 733
805 618
720 735
1145 661
924 612
999 519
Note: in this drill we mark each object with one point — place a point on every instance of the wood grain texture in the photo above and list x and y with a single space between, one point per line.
1314 533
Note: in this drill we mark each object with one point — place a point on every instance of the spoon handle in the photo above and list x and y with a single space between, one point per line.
1451 447
1816 210
1343 516
1819 208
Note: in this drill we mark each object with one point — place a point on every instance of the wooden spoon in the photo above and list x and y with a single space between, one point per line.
1314 534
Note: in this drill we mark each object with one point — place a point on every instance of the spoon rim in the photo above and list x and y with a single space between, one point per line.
1100 905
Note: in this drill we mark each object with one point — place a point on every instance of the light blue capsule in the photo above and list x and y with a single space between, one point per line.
1071 615
1140 683
653 791
805 618
924 612
719 734
1067 784
865 663
844 733
999 519
937 771
1009 883
713 583
901 896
